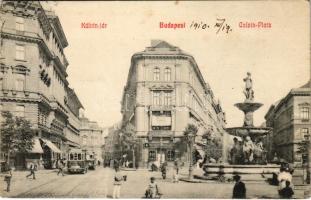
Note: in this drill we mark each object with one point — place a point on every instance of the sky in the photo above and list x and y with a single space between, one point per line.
99 59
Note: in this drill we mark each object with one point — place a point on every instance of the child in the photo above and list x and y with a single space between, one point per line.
287 192
118 178
152 190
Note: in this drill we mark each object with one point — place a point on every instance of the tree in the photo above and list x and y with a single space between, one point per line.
189 134
16 135
128 140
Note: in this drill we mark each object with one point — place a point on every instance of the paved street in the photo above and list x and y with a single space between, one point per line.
99 184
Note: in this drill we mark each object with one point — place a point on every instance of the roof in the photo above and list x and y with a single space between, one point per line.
163 48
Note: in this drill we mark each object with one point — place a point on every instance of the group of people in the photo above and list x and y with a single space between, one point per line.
283 179
247 152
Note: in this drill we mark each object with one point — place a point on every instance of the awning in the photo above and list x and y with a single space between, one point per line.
52 146
36 148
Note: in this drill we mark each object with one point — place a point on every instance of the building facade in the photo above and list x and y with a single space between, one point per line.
291 123
165 91
33 79
92 138
110 149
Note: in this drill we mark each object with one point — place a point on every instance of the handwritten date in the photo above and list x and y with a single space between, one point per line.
219 26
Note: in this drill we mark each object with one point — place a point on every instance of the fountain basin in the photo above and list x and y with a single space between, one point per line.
253 132
255 173
248 106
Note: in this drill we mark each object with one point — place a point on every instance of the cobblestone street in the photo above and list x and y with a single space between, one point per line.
99 183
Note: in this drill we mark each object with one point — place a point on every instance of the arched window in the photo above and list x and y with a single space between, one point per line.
167 74
156 74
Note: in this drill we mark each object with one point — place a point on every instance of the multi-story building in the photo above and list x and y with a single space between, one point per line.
165 91
291 123
92 138
111 150
33 79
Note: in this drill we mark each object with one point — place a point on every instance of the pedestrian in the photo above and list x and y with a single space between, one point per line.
239 189
164 170
287 192
284 176
61 166
175 172
8 177
118 178
32 171
153 189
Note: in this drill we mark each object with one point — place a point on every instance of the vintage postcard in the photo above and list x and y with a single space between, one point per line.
155 99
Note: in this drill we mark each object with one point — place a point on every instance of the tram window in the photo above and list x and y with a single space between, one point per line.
70 156
79 156
76 156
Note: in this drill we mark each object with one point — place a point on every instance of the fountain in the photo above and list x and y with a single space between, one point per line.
248 156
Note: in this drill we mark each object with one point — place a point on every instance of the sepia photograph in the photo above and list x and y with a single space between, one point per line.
155 99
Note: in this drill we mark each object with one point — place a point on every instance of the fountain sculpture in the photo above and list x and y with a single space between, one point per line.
248 154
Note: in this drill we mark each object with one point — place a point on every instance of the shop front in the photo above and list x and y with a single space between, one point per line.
51 154
34 157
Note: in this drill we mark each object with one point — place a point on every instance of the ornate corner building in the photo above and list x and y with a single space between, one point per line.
165 91
33 80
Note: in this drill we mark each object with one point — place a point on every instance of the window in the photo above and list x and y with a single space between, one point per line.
167 74
20 111
170 155
304 113
156 98
152 155
79 157
156 74
19 23
305 133
70 156
20 52
167 98
19 84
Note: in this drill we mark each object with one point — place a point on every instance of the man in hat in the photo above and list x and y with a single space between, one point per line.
239 189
